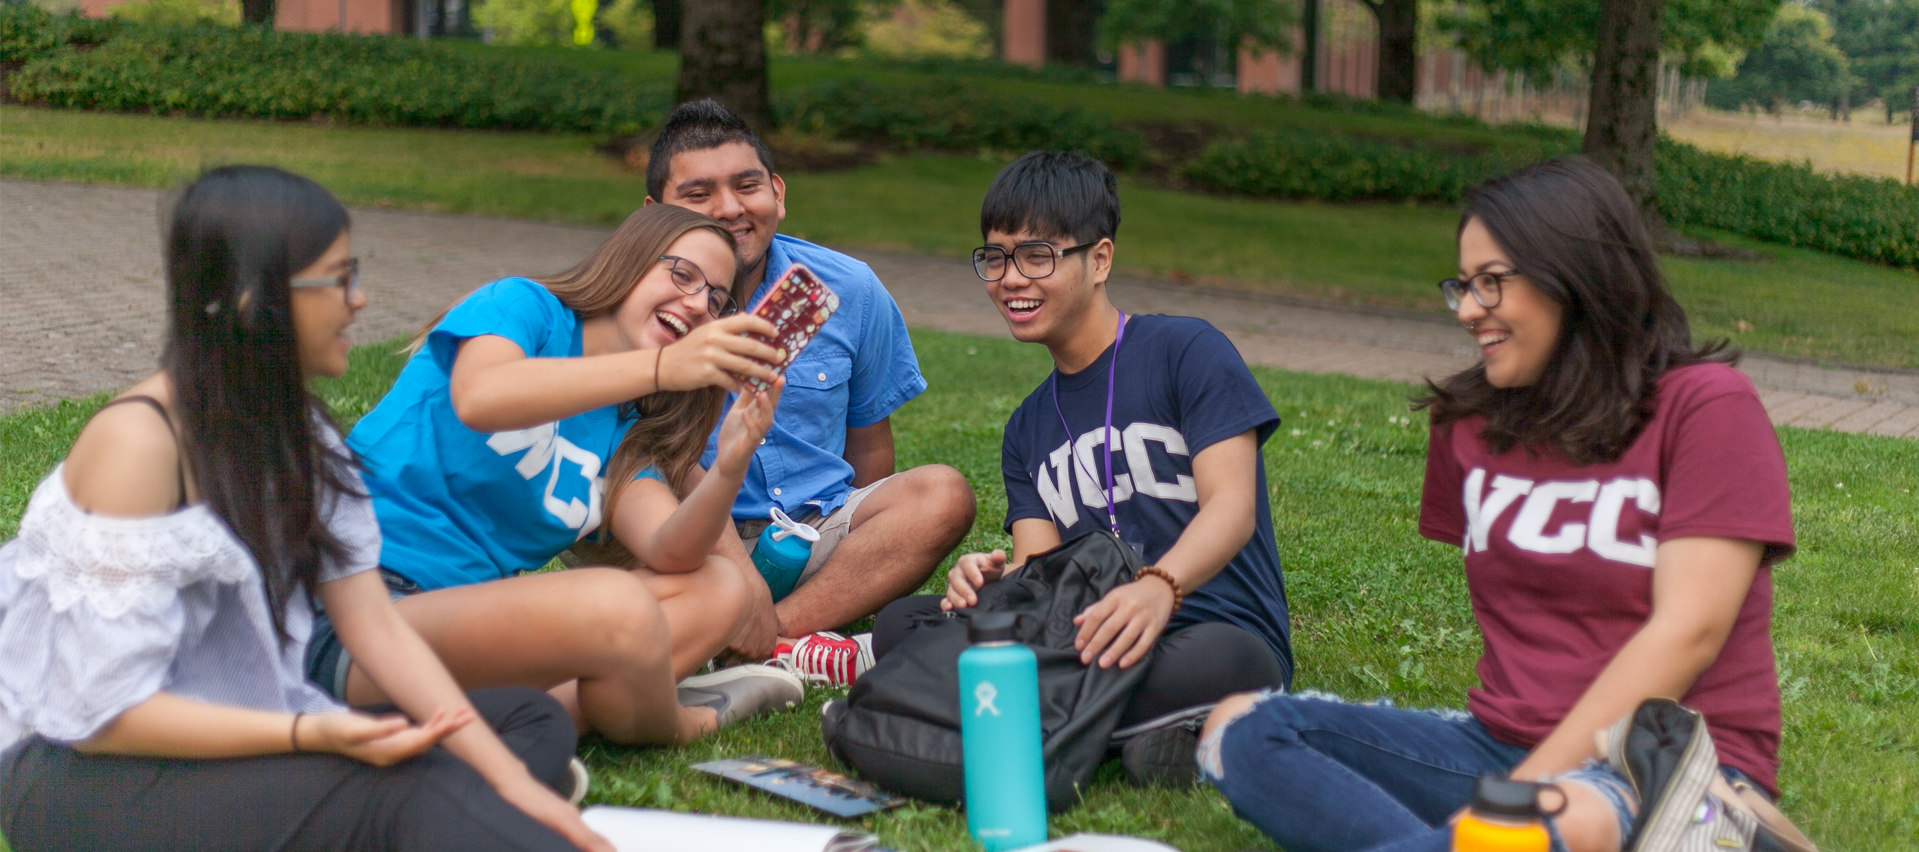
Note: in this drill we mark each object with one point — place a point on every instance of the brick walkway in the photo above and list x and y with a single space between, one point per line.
82 305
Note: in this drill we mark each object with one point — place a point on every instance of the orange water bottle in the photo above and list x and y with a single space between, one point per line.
1505 817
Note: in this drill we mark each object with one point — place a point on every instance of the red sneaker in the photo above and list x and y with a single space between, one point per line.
827 658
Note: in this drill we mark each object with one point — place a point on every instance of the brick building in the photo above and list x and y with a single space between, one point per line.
1346 60
382 17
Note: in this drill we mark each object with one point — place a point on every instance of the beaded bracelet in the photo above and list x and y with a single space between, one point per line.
1179 597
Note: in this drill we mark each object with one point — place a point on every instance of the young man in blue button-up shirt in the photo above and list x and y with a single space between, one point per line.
828 460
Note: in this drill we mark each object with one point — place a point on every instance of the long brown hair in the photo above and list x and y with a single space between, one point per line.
1570 228
673 425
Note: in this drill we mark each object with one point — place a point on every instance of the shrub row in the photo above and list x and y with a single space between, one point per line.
256 73
65 61
948 115
1870 219
27 32
1303 165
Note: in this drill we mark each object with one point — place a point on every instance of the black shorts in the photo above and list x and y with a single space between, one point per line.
327 660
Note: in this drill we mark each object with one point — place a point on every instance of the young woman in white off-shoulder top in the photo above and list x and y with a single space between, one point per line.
155 609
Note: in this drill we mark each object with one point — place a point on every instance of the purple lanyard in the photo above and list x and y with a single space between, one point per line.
1106 437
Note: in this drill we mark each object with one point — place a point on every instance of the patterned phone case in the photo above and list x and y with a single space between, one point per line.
797 306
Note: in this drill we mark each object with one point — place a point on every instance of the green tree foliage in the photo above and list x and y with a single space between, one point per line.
1539 36
937 29
824 26
1622 41
1881 39
1797 62
1267 24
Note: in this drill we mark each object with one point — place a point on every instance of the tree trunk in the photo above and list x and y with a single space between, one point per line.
666 24
257 12
1070 26
1309 47
1398 48
1622 129
723 57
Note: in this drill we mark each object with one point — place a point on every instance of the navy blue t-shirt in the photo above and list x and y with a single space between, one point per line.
1180 387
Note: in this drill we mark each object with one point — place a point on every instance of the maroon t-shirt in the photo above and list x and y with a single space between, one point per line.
1559 557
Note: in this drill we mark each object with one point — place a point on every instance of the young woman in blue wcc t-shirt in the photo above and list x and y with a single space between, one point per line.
490 455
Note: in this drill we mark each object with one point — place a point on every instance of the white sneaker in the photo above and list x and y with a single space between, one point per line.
741 692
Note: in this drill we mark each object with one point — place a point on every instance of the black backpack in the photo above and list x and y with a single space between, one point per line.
901 726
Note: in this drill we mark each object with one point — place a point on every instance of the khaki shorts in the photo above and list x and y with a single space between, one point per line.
832 529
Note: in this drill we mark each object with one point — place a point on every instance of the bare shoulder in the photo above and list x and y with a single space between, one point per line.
126 461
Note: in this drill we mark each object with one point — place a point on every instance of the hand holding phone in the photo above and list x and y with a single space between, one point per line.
798 306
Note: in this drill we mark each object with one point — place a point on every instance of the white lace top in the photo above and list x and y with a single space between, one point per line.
97 614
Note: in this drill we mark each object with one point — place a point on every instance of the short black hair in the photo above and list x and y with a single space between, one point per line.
1056 193
697 126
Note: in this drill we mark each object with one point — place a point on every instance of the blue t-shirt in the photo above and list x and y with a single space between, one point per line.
1181 387
856 372
458 506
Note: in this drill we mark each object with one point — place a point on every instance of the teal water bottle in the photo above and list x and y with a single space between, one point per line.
1000 736
782 551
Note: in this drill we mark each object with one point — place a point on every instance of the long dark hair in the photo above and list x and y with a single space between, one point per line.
673 425
1572 231
248 424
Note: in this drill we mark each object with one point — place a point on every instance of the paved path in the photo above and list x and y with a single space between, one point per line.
82 305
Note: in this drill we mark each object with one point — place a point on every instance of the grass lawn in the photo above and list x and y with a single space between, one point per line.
1865 146
1803 303
1377 611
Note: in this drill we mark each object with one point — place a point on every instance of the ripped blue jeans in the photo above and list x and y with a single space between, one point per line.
1320 775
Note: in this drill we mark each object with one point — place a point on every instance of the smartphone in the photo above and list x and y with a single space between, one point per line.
798 305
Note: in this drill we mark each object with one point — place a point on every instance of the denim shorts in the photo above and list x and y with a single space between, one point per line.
327 660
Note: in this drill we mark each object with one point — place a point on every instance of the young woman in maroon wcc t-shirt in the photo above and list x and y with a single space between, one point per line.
1620 499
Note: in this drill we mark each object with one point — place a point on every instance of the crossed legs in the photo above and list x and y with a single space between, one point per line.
899 534
608 643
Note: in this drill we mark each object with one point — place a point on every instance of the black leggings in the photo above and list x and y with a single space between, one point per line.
55 798
1194 666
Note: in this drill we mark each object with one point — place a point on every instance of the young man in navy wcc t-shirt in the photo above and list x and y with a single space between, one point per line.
1188 485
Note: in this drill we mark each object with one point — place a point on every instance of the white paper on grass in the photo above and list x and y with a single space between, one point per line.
645 830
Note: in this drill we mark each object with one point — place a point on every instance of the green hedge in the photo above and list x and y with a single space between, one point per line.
1866 218
71 62
950 115
256 73
1303 165
27 33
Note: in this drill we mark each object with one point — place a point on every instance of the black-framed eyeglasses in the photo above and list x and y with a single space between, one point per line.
690 279
1485 287
1033 260
348 279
